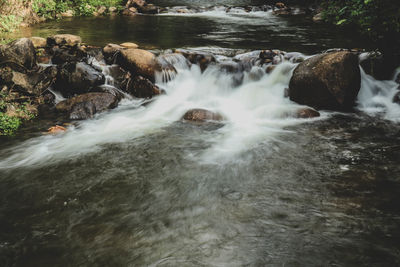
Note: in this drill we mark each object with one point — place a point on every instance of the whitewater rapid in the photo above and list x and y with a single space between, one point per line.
255 111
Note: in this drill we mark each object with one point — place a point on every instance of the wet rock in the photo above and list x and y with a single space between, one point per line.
109 52
318 17
101 10
199 58
306 113
139 61
140 87
64 55
233 68
112 9
201 115
148 9
327 81
86 105
30 83
19 53
108 89
135 3
396 98
132 11
77 78
129 45
67 14
64 39
280 5
38 42
56 130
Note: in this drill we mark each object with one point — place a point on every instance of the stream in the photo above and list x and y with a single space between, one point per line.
137 186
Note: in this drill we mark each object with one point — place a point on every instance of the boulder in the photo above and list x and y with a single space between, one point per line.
139 61
77 78
140 87
86 105
112 9
327 81
201 115
30 83
306 113
64 39
20 52
38 42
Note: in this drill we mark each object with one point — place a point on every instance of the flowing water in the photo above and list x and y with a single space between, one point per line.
136 186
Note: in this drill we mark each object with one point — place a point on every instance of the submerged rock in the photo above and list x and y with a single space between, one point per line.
19 53
201 115
86 105
139 61
307 113
56 129
77 78
327 81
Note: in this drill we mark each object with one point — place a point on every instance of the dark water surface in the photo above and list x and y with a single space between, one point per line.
322 193
251 31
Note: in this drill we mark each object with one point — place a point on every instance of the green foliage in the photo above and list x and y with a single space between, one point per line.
8 23
8 125
49 8
376 18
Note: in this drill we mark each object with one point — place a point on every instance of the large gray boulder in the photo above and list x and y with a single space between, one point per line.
327 81
77 78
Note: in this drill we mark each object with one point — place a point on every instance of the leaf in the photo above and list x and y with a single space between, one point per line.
340 22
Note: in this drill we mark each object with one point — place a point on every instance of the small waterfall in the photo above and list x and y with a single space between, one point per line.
376 97
169 64
57 95
109 85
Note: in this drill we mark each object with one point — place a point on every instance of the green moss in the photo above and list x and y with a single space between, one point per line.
8 124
